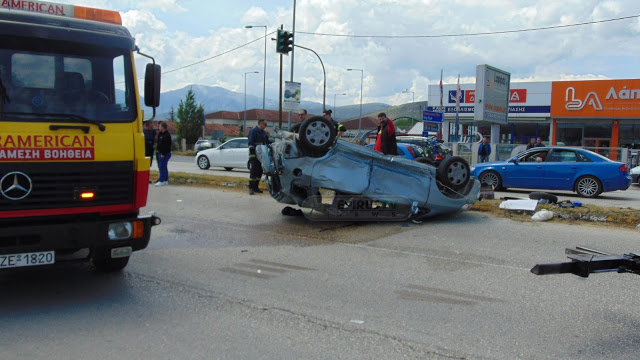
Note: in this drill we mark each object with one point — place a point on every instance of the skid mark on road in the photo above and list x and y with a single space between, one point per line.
432 294
262 269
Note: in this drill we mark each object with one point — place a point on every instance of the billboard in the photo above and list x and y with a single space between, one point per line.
492 94
292 95
596 98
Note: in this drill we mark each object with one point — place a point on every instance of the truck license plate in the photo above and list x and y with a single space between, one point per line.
27 259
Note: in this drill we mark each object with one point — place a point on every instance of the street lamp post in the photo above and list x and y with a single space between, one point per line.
361 80
244 123
413 98
264 71
334 103
324 74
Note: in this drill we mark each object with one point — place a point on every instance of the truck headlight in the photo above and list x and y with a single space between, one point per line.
120 231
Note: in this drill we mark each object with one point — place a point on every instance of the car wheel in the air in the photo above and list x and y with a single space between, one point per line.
588 186
203 162
317 134
453 172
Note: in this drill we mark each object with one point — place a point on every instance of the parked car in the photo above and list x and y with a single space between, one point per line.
407 151
556 168
635 175
298 165
433 148
206 144
232 154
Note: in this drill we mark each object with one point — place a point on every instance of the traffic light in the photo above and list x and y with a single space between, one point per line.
284 42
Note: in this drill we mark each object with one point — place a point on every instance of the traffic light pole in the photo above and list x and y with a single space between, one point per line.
293 31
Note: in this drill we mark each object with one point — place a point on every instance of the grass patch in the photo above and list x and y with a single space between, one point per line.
586 214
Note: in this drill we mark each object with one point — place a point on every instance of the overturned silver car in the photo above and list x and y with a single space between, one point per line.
301 167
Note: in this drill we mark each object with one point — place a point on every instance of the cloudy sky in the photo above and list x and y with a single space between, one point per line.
205 42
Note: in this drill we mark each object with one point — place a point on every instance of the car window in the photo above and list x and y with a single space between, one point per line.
533 156
563 156
583 158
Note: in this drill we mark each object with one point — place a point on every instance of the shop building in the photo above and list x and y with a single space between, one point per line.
529 113
600 115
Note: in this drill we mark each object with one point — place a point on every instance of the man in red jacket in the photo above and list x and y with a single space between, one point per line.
386 141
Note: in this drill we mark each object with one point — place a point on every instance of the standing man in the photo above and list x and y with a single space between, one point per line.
484 150
257 136
302 114
386 140
340 129
149 139
164 154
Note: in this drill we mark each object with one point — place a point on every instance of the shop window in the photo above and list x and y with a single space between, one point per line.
629 136
598 131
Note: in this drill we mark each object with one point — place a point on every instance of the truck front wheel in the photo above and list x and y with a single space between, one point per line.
110 264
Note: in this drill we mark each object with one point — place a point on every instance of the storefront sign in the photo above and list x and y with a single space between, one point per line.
596 98
515 109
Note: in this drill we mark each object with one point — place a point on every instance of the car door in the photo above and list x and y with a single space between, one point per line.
560 169
527 171
223 155
240 153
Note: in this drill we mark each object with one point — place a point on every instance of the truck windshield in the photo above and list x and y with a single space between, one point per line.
62 78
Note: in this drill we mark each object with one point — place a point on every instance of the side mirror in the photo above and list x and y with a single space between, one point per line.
514 160
152 85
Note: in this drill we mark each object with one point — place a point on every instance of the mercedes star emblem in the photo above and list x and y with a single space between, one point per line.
15 185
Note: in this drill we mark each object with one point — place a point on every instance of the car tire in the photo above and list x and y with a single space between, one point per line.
106 264
538 195
491 178
453 172
249 165
203 162
588 186
228 168
317 135
425 160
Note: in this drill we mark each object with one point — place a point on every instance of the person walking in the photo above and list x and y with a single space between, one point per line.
484 150
149 140
164 154
257 136
386 142
531 144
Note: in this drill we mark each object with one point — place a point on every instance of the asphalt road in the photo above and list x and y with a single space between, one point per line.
226 276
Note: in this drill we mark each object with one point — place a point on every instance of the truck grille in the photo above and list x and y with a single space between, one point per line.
57 185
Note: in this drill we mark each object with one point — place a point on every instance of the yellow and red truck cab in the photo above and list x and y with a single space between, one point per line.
73 172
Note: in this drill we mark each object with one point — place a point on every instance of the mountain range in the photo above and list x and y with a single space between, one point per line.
215 98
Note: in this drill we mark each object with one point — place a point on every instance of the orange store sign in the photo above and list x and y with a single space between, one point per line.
596 98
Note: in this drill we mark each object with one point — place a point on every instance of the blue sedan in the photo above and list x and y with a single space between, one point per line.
556 168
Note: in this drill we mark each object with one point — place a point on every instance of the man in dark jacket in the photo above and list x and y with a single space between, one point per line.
340 129
164 154
484 150
257 136
386 141
149 139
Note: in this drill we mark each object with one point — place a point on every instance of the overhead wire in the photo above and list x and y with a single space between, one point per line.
413 36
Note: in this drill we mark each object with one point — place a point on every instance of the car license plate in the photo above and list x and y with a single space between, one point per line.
27 259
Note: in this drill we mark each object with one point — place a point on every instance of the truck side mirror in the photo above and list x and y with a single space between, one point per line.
152 85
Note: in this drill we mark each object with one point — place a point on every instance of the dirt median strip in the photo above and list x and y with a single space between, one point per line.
591 214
